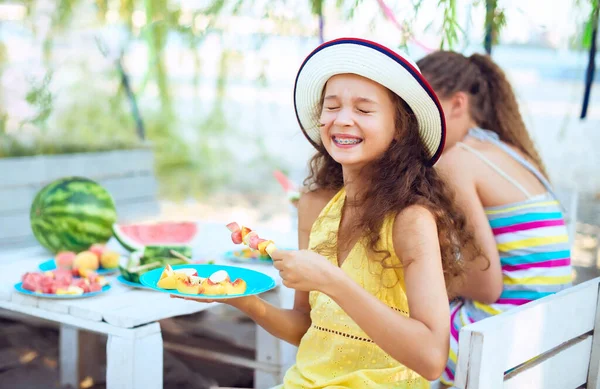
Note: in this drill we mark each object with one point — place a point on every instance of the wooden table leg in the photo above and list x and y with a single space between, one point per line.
69 356
135 362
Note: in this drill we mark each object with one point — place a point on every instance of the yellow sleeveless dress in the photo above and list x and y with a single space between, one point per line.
335 352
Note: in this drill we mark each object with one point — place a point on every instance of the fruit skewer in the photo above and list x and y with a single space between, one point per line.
251 239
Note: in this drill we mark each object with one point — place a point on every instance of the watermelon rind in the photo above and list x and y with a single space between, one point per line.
165 251
162 260
128 244
133 274
134 258
132 244
71 214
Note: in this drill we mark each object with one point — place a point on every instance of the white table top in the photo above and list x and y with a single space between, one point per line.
123 306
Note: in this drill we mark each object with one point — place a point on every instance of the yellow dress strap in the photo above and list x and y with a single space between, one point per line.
327 224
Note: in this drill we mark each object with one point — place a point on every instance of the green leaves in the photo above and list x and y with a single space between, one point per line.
586 40
450 27
40 97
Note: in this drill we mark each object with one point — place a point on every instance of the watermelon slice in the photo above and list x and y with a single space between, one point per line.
135 237
291 190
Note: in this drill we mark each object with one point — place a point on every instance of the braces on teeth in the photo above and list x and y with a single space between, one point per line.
347 141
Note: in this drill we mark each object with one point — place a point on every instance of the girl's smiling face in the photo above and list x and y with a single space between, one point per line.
358 120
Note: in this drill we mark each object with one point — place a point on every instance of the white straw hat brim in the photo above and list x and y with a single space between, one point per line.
375 62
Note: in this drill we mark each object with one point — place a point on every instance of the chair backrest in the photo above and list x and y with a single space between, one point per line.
548 343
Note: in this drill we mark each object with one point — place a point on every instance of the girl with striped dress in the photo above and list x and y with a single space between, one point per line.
501 184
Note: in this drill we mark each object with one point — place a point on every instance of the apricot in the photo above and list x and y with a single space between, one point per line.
86 260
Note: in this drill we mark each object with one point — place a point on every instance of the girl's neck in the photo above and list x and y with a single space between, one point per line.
353 184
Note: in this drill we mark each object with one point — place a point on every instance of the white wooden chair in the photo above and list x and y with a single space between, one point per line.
559 331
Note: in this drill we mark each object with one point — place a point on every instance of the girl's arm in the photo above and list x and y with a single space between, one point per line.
288 324
483 274
420 341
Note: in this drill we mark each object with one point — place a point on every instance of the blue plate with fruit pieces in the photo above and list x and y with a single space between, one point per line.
247 255
256 282
19 288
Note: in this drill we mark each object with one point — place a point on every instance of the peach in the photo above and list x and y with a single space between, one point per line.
244 232
97 249
212 289
86 260
64 259
262 246
169 282
168 278
168 271
109 259
236 287
188 286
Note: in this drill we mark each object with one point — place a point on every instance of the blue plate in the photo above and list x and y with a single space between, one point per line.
122 280
238 256
19 288
51 265
257 282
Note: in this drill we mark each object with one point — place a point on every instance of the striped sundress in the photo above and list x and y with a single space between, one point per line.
534 249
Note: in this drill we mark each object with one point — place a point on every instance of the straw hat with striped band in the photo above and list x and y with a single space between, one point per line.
375 62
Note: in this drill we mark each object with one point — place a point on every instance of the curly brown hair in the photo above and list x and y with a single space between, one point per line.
493 103
401 177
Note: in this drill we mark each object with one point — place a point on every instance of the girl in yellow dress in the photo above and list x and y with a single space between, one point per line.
378 230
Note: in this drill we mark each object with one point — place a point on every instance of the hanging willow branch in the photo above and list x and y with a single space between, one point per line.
591 68
495 19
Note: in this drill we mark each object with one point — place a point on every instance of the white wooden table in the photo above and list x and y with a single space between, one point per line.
129 316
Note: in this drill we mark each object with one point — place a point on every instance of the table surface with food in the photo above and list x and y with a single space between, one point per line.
103 283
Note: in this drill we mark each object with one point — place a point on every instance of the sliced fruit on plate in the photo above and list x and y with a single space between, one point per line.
212 289
189 285
219 283
169 277
70 290
137 236
236 287
186 280
61 282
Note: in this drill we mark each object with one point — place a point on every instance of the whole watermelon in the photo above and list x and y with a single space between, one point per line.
72 213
